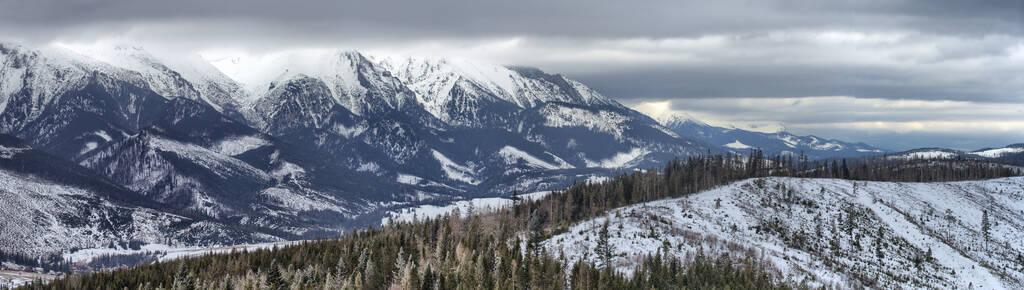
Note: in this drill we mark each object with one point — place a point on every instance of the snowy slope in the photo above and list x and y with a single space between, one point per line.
998 152
48 205
832 232
926 153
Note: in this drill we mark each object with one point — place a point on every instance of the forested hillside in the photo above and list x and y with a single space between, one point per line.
502 249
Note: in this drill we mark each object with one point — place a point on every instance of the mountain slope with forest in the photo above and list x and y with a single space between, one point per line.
516 247
829 232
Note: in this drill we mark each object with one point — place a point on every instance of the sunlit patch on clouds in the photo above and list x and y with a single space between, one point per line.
838 116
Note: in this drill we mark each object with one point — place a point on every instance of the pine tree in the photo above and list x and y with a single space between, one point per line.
605 250
400 269
274 280
986 226
183 279
339 272
227 283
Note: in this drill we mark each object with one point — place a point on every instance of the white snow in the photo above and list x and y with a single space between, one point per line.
594 179
300 201
433 211
288 169
13 279
350 132
790 140
856 220
486 204
533 196
368 167
619 160
512 155
454 170
89 146
219 163
38 217
600 121
9 152
239 144
408 179
433 79
737 145
104 135
931 154
167 253
998 152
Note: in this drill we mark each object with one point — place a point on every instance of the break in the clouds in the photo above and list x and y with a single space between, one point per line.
913 73
891 124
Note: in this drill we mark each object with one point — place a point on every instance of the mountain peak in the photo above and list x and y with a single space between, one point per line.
680 119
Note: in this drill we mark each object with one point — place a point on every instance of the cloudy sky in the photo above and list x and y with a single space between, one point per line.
897 74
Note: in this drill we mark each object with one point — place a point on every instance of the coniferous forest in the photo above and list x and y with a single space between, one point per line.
500 249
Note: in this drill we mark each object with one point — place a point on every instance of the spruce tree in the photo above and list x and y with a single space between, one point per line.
274 280
605 250
986 226
183 279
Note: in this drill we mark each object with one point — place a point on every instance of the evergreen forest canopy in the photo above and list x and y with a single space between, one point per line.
500 249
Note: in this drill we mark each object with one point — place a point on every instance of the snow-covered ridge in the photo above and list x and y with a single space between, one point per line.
238 145
998 152
220 163
925 154
8 152
885 231
601 121
512 155
737 145
619 160
464 207
454 170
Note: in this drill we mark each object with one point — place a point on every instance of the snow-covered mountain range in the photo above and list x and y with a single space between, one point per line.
308 144
781 142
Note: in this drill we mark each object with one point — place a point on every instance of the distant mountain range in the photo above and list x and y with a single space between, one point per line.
781 142
1010 154
306 144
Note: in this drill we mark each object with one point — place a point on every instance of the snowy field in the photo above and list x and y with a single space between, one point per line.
428 211
17 278
168 253
163 253
822 232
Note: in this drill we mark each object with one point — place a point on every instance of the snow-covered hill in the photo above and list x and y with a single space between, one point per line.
832 232
782 142
1011 154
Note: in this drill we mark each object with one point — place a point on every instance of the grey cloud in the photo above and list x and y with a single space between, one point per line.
698 53
574 18
753 80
